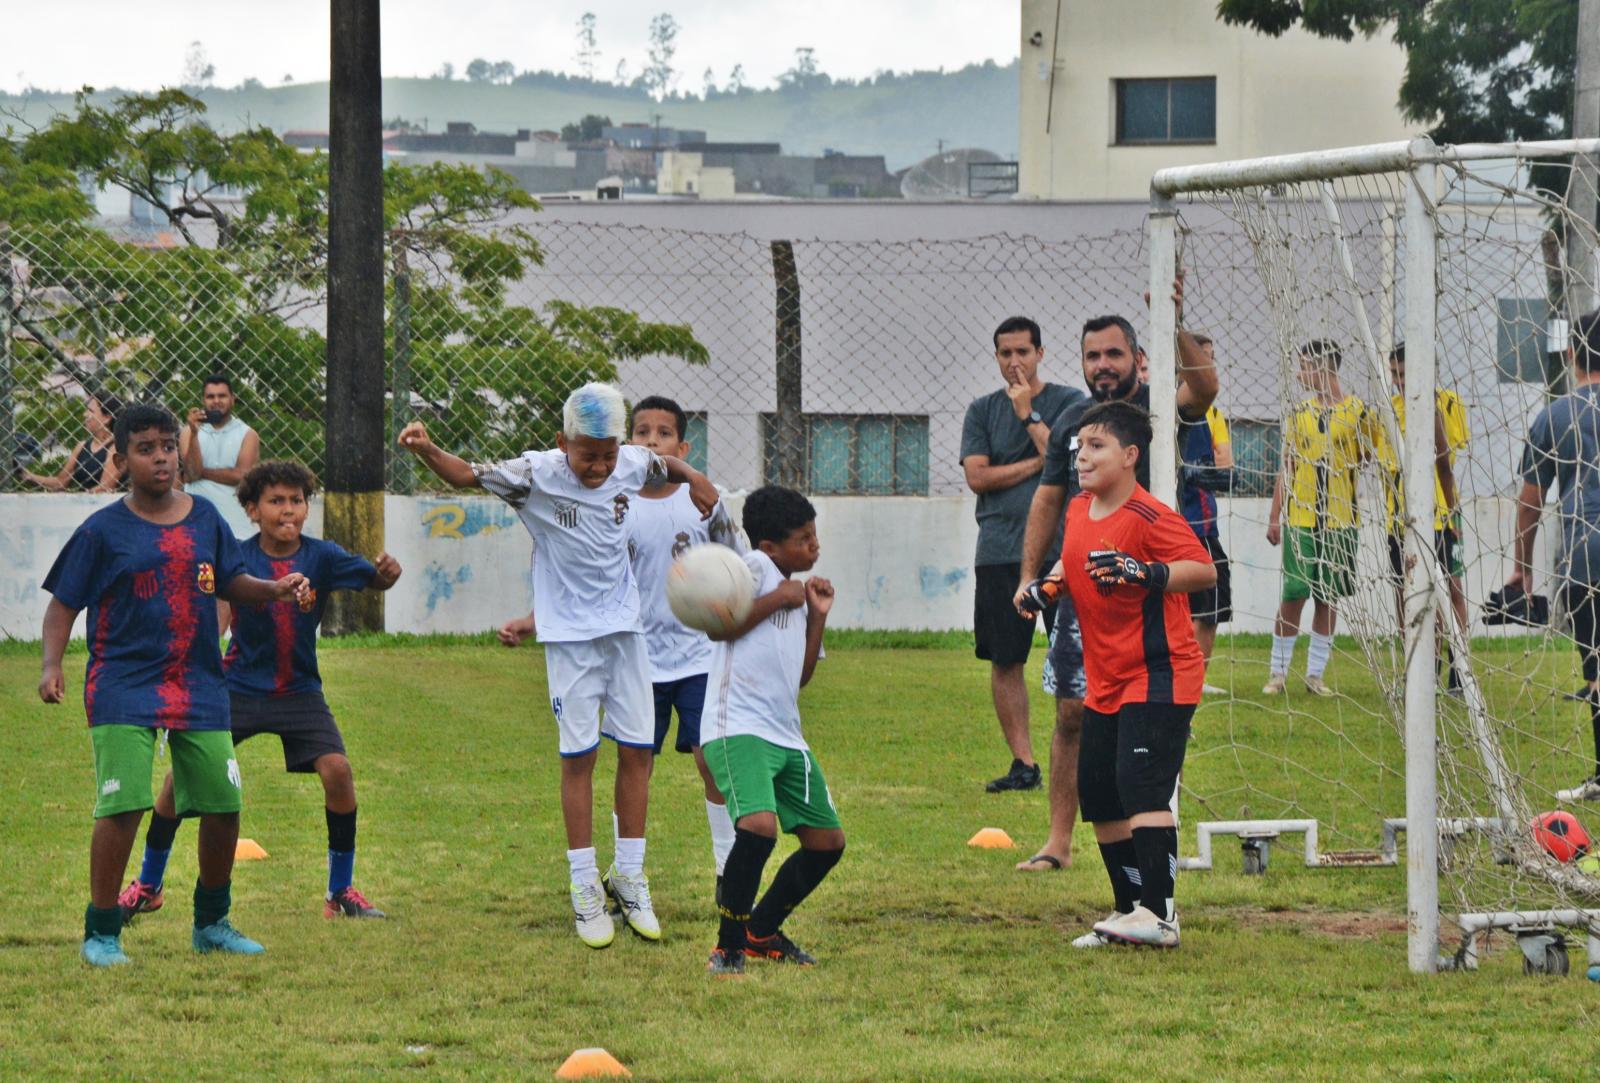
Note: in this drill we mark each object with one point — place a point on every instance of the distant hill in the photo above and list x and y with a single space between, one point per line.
899 116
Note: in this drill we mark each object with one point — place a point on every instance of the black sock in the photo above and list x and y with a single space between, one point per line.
1594 724
797 878
1121 859
211 904
161 831
341 830
1157 848
98 922
741 877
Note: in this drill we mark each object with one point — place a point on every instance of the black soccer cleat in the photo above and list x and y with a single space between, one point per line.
777 948
1511 605
1022 776
725 964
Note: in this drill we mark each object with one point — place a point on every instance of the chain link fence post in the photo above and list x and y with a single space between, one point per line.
789 435
8 427
401 478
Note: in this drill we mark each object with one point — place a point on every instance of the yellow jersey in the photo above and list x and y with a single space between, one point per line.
1326 445
1453 412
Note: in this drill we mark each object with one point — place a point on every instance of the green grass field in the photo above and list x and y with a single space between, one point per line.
938 960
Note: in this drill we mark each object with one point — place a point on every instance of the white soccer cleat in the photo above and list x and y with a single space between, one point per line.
1588 790
632 896
589 914
1141 928
1212 690
1093 939
1318 687
1275 684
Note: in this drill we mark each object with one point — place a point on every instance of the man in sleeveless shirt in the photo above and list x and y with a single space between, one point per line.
217 450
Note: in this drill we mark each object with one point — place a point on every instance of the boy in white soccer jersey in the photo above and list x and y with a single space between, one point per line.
662 525
756 751
575 500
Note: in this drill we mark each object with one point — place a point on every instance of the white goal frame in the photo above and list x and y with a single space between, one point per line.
1426 590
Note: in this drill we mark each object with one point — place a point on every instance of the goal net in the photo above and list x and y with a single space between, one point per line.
1310 278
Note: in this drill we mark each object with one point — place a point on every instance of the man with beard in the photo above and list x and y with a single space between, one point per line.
1111 359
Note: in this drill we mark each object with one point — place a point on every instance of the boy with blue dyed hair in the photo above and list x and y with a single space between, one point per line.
575 501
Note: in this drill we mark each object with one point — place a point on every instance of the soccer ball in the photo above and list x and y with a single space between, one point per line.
710 588
1561 835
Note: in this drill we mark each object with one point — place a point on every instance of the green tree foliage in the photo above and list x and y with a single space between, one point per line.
588 130
241 289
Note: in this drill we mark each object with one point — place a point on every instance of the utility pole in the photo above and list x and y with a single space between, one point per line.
353 412
1583 291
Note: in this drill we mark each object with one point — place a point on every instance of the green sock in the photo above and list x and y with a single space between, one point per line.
98 922
211 904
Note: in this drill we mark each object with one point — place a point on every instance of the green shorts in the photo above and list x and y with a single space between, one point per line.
756 775
205 775
1319 564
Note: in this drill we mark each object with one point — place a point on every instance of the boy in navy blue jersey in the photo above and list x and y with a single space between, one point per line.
149 568
273 682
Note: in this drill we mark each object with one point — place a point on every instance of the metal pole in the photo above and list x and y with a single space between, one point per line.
1421 736
353 413
8 427
1583 289
789 422
1162 351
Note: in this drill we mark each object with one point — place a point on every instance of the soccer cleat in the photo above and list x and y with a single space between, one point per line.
350 903
1093 939
1276 683
103 950
220 935
1587 790
723 964
139 898
1141 928
631 894
589 914
1022 776
1318 687
1212 690
777 948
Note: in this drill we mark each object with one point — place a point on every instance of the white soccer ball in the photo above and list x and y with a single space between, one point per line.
710 588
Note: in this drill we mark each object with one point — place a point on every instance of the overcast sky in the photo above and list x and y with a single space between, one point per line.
67 43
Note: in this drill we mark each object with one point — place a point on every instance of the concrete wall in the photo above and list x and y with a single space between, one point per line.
1274 95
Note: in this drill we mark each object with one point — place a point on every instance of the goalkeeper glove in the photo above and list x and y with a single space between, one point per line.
1112 567
1040 594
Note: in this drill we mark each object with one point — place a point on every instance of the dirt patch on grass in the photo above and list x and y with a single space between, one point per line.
1343 924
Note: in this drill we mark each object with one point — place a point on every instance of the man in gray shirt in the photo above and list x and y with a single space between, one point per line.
1563 448
1002 452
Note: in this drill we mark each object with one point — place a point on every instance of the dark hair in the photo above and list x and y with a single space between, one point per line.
109 404
1129 424
1202 338
1324 350
1586 341
141 417
1398 353
661 402
217 378
772 513
275 472
1100 323
1012 324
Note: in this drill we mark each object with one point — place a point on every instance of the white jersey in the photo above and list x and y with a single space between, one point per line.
754 685
583 582
658 533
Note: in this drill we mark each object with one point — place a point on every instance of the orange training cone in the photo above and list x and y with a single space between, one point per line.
592 1064
248 850
992 838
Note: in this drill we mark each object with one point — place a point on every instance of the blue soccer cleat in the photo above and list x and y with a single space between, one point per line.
103 950
222 936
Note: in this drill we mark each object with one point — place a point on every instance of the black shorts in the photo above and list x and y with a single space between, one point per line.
1002 637
1445 547
302 721
1214 605
1129 762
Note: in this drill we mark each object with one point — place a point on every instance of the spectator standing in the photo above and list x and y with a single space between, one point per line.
218 450
90 467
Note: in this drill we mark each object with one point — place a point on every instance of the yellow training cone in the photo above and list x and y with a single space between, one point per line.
992 838
592 1064
248 850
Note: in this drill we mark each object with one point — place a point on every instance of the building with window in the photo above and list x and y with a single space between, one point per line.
1112 90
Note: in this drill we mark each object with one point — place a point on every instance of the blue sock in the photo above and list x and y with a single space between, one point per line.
341 849
341 870
157 848
154 869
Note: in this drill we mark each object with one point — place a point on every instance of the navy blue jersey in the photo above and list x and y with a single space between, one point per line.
274 647
1195 448
151 595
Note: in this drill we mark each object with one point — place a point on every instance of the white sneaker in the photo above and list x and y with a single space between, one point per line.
589 912
1318 687
1092 938
1587 790
632 896
1275 684
1140 927
1212 690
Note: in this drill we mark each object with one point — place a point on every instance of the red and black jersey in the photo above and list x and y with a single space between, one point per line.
1138 646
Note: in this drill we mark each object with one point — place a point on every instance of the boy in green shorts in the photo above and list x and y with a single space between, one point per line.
753 744
149 568
1327 439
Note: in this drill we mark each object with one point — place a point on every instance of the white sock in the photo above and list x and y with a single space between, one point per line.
1282 653
616 828
582 864
630 857
1317 657
721 833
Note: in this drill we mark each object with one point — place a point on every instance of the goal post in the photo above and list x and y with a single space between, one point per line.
1436 237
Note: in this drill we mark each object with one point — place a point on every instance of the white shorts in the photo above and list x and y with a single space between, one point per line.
612 672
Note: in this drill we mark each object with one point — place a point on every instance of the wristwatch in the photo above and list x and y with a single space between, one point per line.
1034 418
